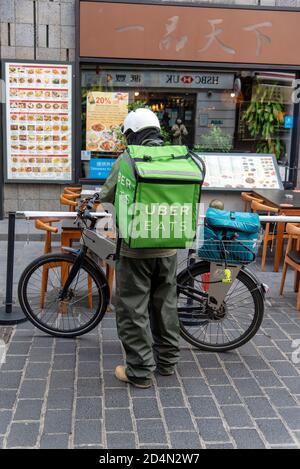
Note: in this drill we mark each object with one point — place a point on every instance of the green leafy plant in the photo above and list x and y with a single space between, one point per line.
216 140
120 137
263 118
137 104
166 135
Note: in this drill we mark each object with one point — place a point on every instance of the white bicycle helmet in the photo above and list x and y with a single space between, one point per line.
140 119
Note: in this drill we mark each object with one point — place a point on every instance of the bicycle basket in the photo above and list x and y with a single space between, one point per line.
100 245
227 247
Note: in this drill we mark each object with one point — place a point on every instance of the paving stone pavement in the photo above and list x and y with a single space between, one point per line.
58 393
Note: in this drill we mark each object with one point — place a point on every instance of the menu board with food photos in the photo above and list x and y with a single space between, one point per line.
238 171
106 112
39 121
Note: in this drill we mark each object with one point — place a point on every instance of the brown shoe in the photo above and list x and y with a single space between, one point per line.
120 373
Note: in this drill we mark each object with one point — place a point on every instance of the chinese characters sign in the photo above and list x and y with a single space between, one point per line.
39 121
105 115
149 79
165 32
100 168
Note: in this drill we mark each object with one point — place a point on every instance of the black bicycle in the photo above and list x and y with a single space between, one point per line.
65 294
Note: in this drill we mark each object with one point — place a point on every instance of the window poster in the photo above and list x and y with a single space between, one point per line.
39 121
106 112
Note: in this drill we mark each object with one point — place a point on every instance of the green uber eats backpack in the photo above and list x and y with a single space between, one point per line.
157 196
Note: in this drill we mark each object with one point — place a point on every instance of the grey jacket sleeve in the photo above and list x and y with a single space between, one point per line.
107 193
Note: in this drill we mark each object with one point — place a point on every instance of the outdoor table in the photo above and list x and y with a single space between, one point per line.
11 314
288 203
89 192
34 215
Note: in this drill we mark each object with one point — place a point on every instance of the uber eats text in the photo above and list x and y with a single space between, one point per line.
155 220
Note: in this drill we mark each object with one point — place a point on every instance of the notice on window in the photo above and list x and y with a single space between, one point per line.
241 171
100 168
39 122
105 115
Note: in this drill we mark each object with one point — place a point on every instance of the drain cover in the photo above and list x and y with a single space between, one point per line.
5 333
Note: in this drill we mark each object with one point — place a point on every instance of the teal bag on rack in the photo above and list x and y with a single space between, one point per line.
229 236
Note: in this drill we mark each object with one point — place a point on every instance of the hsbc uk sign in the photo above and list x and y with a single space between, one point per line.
197 80
157 79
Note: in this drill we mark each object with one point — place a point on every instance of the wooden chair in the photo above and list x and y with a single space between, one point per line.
248 198
73 190
70 200
259 207
292 259
71 234
46 225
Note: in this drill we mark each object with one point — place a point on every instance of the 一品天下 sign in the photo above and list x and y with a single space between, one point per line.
189 33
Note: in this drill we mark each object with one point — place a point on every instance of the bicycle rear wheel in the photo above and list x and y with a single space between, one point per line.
82 309
236 322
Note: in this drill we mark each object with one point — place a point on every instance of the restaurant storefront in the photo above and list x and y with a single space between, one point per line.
227 73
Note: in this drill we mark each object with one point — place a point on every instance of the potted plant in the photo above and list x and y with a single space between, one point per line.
215 141
263 118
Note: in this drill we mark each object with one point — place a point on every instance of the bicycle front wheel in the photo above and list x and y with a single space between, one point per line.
237 321
80 311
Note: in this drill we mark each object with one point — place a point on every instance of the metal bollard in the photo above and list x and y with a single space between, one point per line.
9 313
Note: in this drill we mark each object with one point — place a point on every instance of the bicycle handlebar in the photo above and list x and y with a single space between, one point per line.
92 201
85 207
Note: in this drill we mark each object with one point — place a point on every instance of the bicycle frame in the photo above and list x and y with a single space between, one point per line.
217 289
219 286
104 248
81 255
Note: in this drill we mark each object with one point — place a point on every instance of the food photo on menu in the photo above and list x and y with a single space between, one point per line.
241 171
39 122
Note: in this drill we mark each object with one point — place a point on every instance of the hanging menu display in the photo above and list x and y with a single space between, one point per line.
241 171
106 112
39 122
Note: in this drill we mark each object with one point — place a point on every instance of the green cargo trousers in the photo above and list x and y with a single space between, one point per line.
146 313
